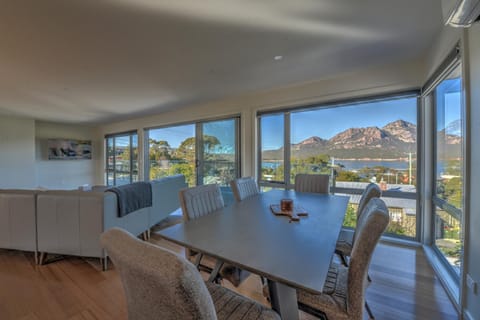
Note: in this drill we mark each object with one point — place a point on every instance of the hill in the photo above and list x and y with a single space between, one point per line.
393 141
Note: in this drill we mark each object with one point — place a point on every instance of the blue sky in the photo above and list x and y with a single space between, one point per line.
175 135
325 123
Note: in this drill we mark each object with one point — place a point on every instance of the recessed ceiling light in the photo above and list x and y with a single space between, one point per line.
278 58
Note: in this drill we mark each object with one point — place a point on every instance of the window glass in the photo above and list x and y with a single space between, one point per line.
357 143
204 152
172 151
449 162
271 146
121 159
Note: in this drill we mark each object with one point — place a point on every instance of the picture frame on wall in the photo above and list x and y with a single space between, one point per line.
69 149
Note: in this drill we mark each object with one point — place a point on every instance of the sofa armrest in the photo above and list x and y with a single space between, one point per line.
165 197
18 220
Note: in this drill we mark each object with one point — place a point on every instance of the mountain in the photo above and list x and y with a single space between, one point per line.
454 128
394 140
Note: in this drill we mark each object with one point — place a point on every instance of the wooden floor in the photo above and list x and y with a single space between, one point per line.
404 287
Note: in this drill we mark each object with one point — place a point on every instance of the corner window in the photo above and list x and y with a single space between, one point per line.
449 162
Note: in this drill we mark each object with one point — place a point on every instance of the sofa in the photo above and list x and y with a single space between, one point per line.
70 222
18 220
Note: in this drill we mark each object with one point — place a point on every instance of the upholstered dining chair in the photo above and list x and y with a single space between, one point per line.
314 183
243 188
343 296
200 201
345 239
160 284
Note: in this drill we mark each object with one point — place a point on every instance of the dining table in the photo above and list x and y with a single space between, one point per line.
291 255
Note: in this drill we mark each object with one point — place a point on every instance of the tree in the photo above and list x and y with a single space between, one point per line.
348 176
350 219
159 150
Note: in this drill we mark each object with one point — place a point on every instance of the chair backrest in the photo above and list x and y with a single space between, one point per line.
372 223
243 188
200 201
314 183
158 283
371 191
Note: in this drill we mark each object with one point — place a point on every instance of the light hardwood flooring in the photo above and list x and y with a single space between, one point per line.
404 287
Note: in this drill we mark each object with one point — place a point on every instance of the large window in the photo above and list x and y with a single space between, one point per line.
449 168
356 143
205 152
121 158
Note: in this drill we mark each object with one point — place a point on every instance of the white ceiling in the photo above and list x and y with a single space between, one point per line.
93 61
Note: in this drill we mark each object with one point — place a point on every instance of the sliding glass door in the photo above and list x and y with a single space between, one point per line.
449 169
205 152
121 158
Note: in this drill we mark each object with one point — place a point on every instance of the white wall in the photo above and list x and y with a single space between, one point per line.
17 153
472 253
379 80
64 174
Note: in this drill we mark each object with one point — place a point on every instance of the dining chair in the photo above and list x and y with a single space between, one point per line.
345 239
197 202
314 183
200 201
243 188
343 295
160 284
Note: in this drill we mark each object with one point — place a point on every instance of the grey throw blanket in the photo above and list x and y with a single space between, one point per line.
131 197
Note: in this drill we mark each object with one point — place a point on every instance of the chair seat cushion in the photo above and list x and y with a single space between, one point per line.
333 300
344 243
232 306
233 274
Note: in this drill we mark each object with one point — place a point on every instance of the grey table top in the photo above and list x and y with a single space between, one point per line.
249 235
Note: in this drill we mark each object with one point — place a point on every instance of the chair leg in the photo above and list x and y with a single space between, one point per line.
344 259
198 258
214 275
43 256
104 263
369 311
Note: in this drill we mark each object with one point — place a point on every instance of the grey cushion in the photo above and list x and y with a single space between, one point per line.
334 299
230 305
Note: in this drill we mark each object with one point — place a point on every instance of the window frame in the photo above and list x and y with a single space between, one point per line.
454 62
198 131
113 136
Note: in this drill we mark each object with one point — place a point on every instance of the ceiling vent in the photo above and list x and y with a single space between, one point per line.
461 13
